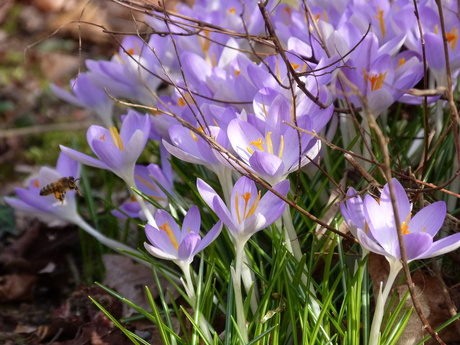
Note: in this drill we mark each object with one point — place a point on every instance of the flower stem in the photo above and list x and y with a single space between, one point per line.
374 337
190 289
236 277
108 242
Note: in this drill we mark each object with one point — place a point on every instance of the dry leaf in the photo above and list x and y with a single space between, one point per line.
130 279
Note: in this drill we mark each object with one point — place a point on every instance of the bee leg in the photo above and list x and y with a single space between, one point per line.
57 195
62 197
78 191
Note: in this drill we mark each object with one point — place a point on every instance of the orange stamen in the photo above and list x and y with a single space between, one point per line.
166 228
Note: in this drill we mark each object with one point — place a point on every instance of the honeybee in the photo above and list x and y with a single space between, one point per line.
60 187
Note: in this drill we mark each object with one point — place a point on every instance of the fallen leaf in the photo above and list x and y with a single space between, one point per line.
130 279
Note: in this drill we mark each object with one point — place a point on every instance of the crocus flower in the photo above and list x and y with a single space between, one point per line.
249 212
372 222
170 242
48 208
52 211
86 95
148 178
271 147
117 152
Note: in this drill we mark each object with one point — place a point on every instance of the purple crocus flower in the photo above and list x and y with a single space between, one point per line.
170 242
85 94
249 212
148 178
192 148
372 223
270 147
118 152
48 208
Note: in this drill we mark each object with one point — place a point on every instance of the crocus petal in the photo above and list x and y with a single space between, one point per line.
159 253
381 223
187 247
371 245
271 206
20 205
67 166
251 225
215 202
429 219
209 237
442 246
160 239
192 221
83 159
416 244
267 165
110 155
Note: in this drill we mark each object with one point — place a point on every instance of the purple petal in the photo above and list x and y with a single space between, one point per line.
241 134
251 225
110 155
83 159
160 239
209 237
215 202
187 247
429 219
352 209
159 253
134 122
271 206
380 221
371 245
267 165
192 221
67 166
442 246
181 154
416 244
134 147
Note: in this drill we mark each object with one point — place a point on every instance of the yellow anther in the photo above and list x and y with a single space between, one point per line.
36 183
405 225
286 14
277 70
269 144
281 148
258 143
232 10
401 62
254 206
294 65
194 137
452 38
102 137
246 212
181 102
237 72
380 18
116 138
205 43
376 80
130 51
166 228
264 108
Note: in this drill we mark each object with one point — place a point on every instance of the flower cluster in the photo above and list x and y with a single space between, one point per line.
247 115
